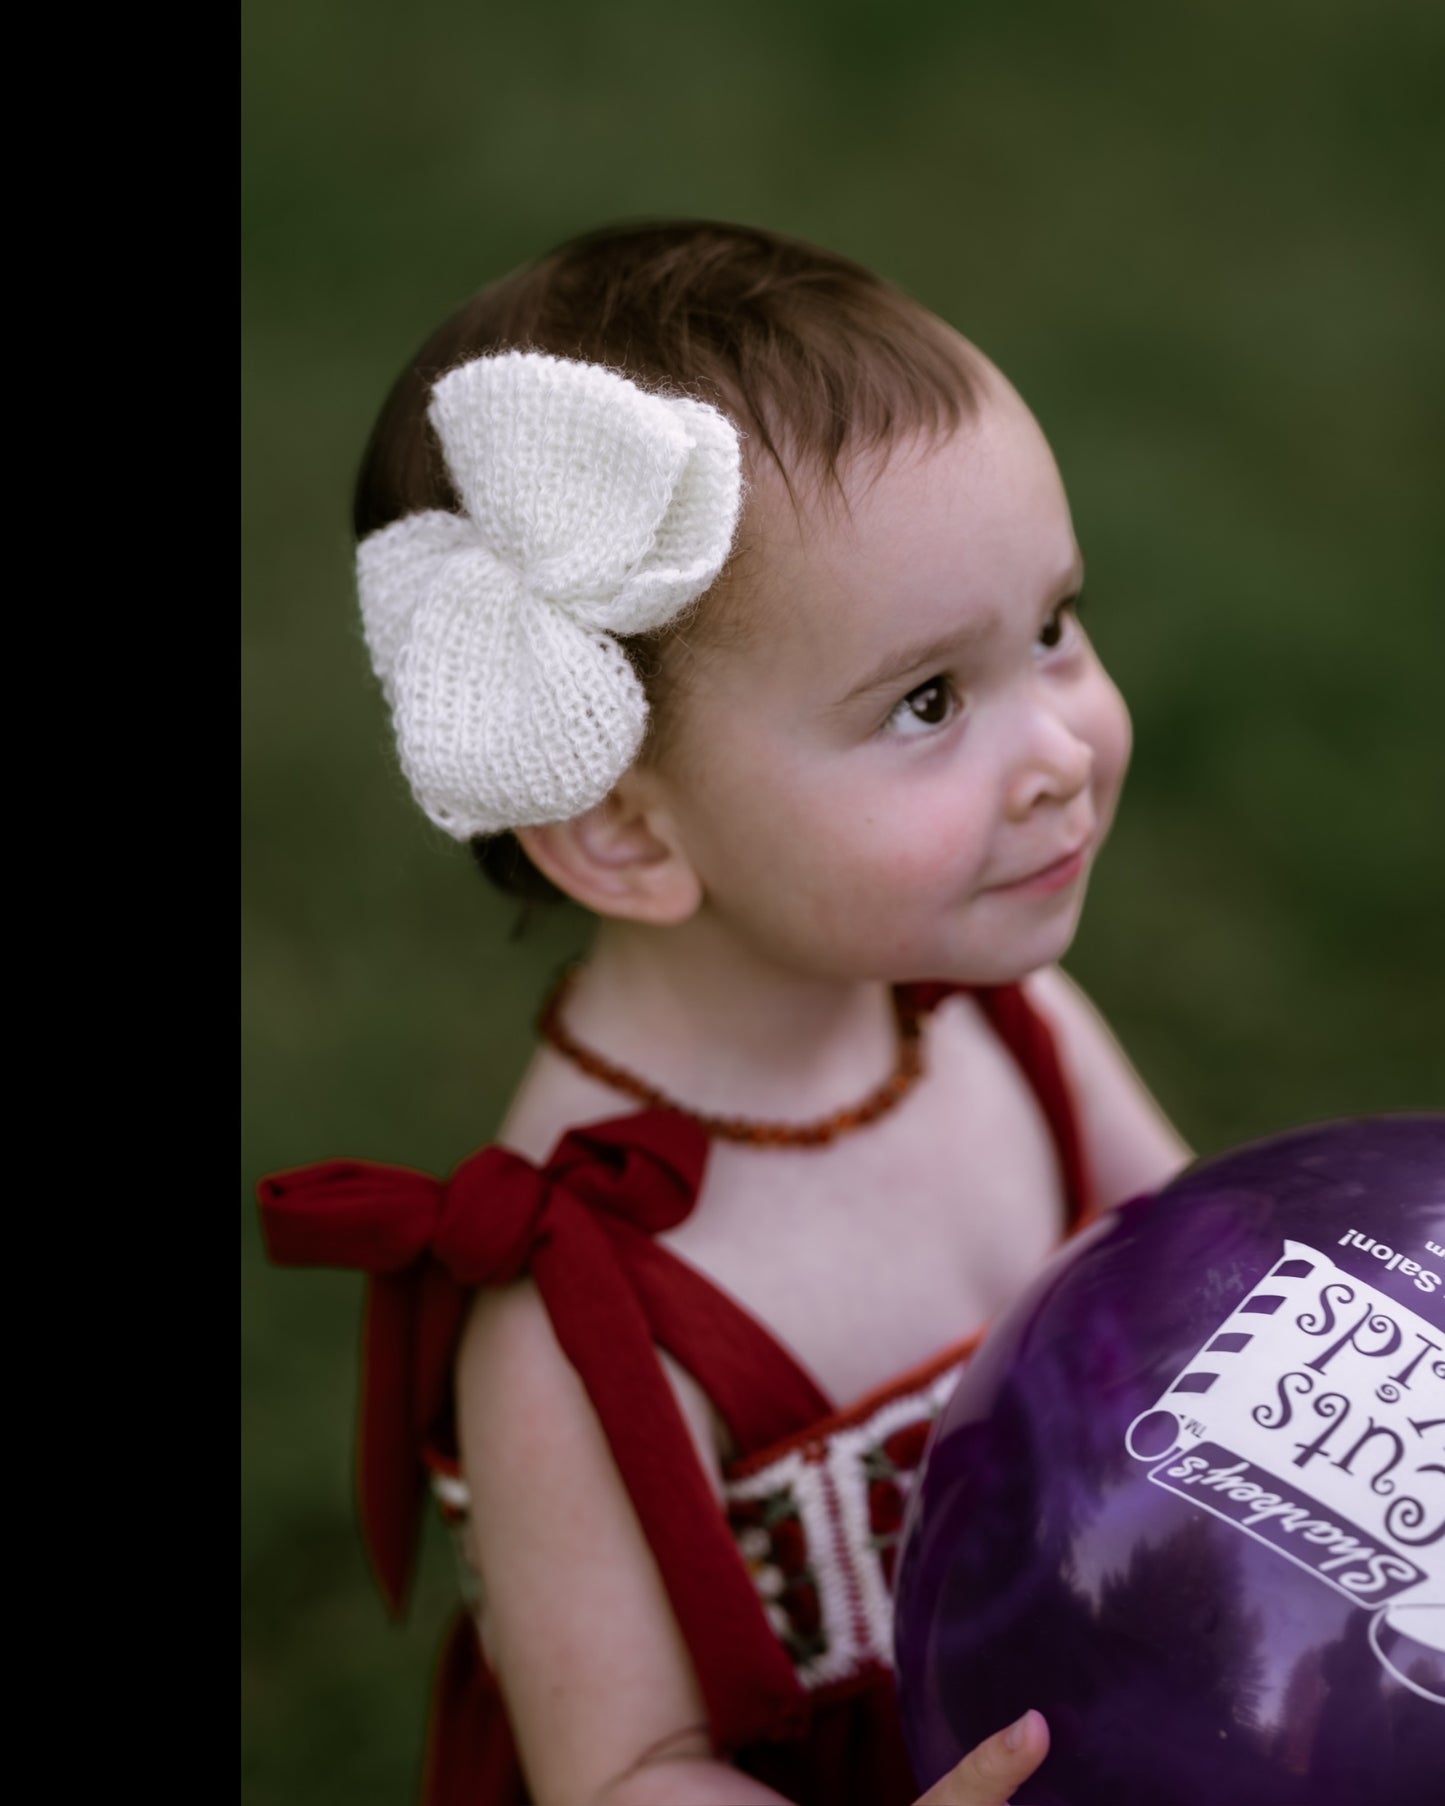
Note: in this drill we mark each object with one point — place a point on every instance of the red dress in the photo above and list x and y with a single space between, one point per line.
782 1598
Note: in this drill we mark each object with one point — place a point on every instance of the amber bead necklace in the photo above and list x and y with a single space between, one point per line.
905 1075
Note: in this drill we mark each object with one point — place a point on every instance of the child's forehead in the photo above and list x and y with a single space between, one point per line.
911 464
980 506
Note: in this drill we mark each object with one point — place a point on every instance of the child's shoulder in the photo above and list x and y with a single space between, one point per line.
553 1097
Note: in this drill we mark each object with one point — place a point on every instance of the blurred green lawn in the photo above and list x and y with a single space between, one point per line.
1203 240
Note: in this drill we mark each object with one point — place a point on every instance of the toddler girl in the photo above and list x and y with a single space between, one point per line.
721 588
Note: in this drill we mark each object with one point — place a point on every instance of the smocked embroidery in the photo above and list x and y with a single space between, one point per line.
819 1525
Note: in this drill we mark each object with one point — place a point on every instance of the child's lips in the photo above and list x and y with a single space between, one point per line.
1046 878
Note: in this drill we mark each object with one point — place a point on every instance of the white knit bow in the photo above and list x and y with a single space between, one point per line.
591 508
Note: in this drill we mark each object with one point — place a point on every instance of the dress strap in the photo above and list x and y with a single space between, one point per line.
755 1383
425 1244
1030 1040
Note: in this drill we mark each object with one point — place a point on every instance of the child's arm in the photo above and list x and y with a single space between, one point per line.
591 1662
1130 1144
599 1685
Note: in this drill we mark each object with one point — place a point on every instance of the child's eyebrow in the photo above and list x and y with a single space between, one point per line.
941 649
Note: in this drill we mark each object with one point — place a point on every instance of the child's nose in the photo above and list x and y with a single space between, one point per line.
1054 765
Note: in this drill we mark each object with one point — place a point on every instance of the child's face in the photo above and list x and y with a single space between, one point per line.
907 760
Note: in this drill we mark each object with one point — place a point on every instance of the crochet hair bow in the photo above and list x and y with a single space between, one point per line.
590 509
424 1243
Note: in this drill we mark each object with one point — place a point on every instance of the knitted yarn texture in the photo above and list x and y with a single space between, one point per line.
591 508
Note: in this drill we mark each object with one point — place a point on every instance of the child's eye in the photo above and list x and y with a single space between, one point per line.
1060 624
931 705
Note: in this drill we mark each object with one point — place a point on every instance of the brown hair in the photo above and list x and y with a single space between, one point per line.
814 358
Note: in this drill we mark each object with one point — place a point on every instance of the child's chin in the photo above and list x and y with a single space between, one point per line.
1011 965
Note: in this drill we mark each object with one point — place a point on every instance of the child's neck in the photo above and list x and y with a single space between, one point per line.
724 1029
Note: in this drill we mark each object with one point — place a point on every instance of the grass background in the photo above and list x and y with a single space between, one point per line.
1203 240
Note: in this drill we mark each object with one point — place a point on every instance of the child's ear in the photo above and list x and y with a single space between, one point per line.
622 858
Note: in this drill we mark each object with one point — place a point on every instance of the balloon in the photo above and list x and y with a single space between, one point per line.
1189 1497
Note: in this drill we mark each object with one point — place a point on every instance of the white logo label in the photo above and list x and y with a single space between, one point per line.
1326 1442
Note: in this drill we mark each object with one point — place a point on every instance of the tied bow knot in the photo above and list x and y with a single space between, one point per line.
590 509
425 1244
494 1216
482 1224
485 1223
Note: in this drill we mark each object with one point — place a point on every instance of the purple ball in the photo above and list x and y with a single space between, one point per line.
1189 1498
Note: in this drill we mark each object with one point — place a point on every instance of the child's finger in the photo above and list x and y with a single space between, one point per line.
989 1774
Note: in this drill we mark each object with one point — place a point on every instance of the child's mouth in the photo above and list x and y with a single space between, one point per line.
1055 876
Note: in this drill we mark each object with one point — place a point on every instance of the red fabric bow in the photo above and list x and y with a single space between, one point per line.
425 1244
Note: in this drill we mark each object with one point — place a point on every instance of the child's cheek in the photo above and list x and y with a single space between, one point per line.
929 843
1120 747
1102 719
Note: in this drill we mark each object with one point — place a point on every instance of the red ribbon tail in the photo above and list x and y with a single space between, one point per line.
390 1480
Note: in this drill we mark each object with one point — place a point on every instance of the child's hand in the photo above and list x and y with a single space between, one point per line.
989 1774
